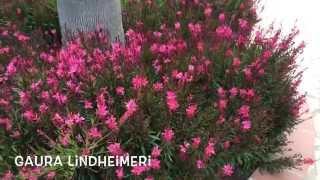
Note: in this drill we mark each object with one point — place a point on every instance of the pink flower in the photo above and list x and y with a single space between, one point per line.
77 118
15 134
221 92
4 50
155 164
51 175
261 72
101 106
4 103
226 145
5 33
195 29
45 95
208 11
209 150
138 170
85 151
8 175
11 68
250 93
31 116
139 82
58 120
6 122
65 140
43 108
115 149
191 110
221 118
157 34
236 63
149 178
308 161
233 92
95 133
157 87
222 17
60 98
112 123
131 106
46 57
167 135
222 105
21 37
120 173
177 26
244 111
120 90
196 2
196 142
227 170
200 164
172 102
183 151
224 32
248 74
35 86
156 152
88 104
243 24
24 98
246 125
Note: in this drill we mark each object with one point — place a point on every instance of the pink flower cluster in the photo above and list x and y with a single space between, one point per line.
195 88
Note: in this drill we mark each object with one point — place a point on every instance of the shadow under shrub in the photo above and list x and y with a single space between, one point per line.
194 86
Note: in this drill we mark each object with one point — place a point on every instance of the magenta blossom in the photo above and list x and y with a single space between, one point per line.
112 123
200 164
120 173
131 106
155 164
224 32
115 149
172 102
222 17
196 142
168 135
246 125
31 116
244 111
101 106
227 170
139 82
208 11
120 90
209 150
156 152
138 170
191 111
157 87
95 133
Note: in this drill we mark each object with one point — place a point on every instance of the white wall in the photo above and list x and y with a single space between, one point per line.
306 15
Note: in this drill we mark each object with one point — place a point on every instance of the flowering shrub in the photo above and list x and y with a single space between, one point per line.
32 15
193 83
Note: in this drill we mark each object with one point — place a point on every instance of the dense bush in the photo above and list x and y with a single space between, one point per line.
193 83
32 15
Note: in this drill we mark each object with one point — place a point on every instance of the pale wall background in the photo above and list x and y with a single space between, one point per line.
306 15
